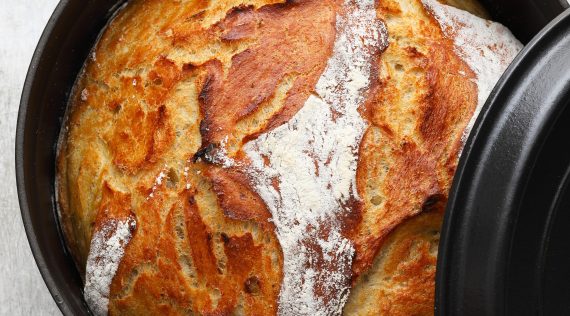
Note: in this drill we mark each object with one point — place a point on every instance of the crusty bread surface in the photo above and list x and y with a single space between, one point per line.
170 80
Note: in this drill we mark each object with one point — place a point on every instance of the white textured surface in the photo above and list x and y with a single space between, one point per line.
105 254
22 290
308 183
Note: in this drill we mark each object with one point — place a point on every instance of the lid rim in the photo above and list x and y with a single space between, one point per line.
493 172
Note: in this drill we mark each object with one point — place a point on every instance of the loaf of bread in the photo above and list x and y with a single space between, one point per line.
263 157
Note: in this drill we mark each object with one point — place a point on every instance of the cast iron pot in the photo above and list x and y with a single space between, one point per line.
67 39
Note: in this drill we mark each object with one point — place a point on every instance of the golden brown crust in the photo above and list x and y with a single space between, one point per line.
287 44
401 280
170 81
179 269
419 108
236 197
415 168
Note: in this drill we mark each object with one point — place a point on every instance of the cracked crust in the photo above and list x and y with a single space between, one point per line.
171 80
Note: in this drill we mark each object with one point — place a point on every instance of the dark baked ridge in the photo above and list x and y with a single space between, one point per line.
168 82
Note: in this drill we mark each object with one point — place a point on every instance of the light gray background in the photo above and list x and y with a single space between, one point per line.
22 290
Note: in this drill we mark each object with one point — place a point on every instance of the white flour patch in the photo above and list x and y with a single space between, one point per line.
305 170
487 47
107 249
158 181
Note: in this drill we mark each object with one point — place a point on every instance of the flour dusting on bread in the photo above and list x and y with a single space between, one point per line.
313 159
487 47
107 249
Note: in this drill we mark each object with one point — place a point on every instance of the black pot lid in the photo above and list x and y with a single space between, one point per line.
505 246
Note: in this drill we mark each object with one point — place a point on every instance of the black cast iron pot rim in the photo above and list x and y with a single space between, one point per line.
19 155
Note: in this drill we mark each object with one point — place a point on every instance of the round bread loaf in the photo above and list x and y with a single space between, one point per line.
262 157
